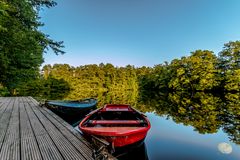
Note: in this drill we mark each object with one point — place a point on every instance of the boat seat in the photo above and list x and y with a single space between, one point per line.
102 122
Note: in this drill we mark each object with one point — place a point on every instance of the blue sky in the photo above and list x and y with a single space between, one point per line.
138 32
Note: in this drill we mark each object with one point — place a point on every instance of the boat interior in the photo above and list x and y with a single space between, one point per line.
116 119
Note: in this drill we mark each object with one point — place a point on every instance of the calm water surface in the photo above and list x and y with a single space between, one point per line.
183 127
171 141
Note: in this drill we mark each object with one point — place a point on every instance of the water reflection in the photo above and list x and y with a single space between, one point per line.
171 141
231 117
205 112
225 148
199 110
136 152
124 97
192 126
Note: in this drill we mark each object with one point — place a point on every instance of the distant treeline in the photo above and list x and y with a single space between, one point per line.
89 78
201 71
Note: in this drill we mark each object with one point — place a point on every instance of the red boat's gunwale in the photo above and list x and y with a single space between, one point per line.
119 136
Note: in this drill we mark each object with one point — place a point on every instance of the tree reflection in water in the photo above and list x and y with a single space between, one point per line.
205 112
231 117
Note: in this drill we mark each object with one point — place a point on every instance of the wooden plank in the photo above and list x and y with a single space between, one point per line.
79 145
65 124
4 121
65 147
29 146
69 127
48 149
2 99
3 105
11 146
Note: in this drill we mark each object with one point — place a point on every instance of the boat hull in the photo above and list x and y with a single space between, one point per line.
70 111
72 107
117 132
123 140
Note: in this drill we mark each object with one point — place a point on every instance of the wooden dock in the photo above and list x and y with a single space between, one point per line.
29 132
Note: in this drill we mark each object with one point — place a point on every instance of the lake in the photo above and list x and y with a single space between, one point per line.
186 126
172 141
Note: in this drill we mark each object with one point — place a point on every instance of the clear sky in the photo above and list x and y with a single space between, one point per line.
138 32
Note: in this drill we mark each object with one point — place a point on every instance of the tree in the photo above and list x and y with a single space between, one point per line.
197 72
230 56
22 44
232 82
229 63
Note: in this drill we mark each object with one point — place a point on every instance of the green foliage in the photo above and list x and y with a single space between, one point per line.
22 44
232 80
195 73
55 88
231 116
4 91
99 78
201 71
154 80
230 56
49 88
229 63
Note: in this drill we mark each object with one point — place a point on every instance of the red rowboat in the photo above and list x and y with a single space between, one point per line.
119 125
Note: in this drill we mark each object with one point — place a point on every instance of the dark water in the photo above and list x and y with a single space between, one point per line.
186 126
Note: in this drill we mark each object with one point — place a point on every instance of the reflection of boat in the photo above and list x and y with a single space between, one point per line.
72 107
120 125
137 151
